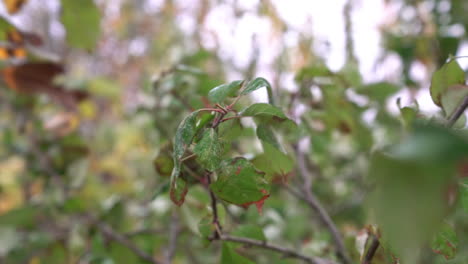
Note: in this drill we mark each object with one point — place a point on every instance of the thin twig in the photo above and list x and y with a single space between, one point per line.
317 207
121 239
217 225
144 231
458 112
188 157
232 117
286 252
371 251
174 231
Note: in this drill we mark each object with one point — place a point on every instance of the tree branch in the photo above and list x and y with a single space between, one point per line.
458 112
371 251
174 231
288 253
217 225
317 207
121 239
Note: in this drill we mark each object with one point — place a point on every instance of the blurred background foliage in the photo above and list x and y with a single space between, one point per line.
93 92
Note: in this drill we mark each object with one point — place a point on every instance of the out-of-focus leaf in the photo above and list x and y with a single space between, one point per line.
122 255
250 231
240 183
229 256
206 227
431 143
415 172
351 74
312 71
464 194
378 91
220 93
448 75
273 162
408 115
163 164
445 242
57 254
24 217
209 150
256 84
266 134
82 22
451 99
104 87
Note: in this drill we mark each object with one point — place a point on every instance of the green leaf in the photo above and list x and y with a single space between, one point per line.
451 99
239 183
266 134
464 194
408 115
264 110
220 93
448 75
431 144
163 164
82 22
229 256
209 150
183 138
22 217
250 231
206 227
378 91
178 190
273 162
445 242
412 174
312 71
121 254
256 84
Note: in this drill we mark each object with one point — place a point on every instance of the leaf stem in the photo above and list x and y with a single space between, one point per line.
188 157
458 112
371 251
211 110
232 117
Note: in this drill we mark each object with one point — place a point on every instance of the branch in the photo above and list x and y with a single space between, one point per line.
143 231
371 252
119 238
458 112
216 223
317 207
173 235
289 253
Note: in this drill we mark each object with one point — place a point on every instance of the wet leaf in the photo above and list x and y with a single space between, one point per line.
209 150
